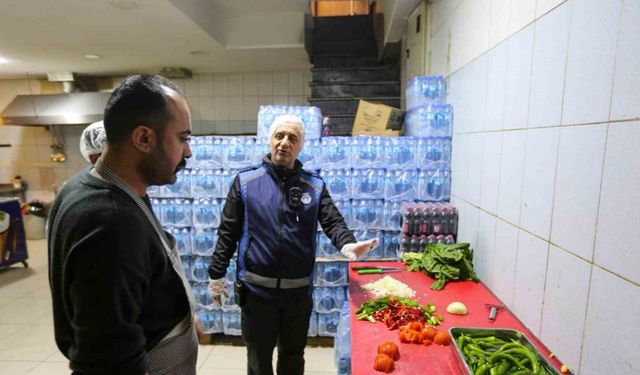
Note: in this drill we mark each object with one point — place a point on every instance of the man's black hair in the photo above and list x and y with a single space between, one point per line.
138 100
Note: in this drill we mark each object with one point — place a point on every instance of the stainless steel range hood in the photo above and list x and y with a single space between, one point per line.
60 109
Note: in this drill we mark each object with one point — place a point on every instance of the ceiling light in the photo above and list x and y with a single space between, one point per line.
3 60
123 4
92 56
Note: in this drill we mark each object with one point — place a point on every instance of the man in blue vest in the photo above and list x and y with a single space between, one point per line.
271 217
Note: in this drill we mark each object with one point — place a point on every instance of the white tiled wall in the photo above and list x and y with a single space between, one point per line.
225 103
546 166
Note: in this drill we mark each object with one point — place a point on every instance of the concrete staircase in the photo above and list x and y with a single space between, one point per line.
346 69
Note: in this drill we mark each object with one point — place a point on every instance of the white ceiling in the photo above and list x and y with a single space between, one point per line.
41 36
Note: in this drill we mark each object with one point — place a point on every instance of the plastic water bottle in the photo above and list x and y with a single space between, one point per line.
335 152
203 297
204 240
231 272
391 244
313 325
392 215
400 152
183 241
338 182
186 265
200 268
345 208
368 183
183 212
328 299
400 185
211 321
367 152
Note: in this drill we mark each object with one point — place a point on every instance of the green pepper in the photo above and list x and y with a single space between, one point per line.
482 370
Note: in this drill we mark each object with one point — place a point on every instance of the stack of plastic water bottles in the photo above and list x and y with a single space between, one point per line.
342 342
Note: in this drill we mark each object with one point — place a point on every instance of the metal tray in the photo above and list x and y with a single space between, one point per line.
504 334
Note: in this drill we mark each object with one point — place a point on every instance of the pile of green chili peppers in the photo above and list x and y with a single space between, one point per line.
489 355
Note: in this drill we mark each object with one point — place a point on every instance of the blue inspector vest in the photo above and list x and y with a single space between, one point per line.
277 247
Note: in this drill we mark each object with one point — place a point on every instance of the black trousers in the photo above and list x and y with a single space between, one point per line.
267 323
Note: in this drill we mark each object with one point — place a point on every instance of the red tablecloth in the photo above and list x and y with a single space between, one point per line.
419 359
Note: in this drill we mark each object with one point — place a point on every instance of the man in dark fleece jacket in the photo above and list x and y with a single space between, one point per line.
121 303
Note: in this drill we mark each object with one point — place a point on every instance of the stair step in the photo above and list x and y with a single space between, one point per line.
341 33
343 22
367 47
334 60
355 89
349 105
371 73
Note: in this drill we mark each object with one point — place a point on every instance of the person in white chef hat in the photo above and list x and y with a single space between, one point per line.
93 141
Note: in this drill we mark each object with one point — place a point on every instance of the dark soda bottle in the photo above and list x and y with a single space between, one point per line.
407 220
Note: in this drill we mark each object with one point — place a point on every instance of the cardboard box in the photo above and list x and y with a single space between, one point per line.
377 119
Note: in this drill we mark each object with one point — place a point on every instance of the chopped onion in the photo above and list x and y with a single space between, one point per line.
388 286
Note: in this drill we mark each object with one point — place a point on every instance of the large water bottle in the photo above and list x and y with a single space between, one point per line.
219 179
204 240
186 265
260 150
339 182
343 342
211 321
425 90
400 152
335 152
313 123
345 208
367 152
328 324
183 240
326 248
392 215
199 268
434 185
202 212
400 184
391 244
231 271
183 213
368 213
328 299
310 155
231 323
433 152
440 117
203 297
227 179
368 183
313 325
167 212
331 274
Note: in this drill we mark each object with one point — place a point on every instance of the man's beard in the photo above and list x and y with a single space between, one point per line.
156 169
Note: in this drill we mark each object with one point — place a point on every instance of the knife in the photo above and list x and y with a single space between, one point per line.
370 271
358 268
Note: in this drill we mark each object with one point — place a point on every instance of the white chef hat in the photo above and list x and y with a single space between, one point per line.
93 140
283 119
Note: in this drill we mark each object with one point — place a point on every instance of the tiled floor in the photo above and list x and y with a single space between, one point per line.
27 344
